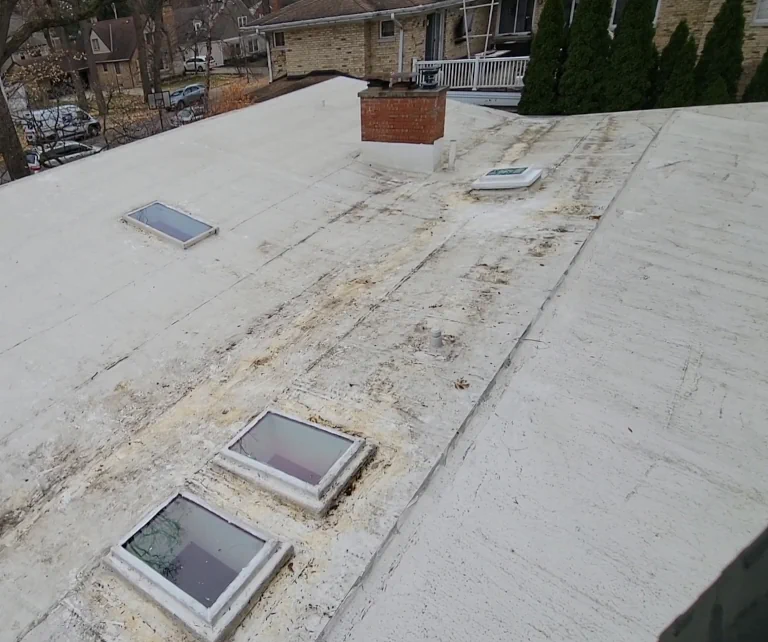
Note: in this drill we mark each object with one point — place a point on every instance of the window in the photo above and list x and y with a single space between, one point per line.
253 45
242 21
301 461
170 224
117 68
95 44
516 17
761 13
105 67
278 39
386 29
200 565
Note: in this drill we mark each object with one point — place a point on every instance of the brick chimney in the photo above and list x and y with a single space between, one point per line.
403 127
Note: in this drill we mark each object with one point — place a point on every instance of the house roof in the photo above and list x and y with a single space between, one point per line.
225 26
308 11
618 465
588 445
37 39
119 35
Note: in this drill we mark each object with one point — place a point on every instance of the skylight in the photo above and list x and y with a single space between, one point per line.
301 461
508 178
170 224
198 564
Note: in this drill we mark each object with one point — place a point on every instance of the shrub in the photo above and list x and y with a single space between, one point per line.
582 84
757 89
633 58
719 68
676 86
540 91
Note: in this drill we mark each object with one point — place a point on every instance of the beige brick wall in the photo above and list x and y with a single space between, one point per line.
127 78
383 54
339 47
357 49
278 63
755 42
700 15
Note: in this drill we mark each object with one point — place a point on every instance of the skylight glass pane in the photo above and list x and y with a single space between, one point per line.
297 449
507 171
193 548
170 221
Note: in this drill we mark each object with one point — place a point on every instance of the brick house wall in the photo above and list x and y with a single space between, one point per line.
279 68
127 78
356 48
383 54
700 15
340 47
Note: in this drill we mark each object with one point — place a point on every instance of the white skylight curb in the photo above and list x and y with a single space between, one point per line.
316 498
209 624
508 178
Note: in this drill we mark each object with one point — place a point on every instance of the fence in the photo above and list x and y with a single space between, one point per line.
477 73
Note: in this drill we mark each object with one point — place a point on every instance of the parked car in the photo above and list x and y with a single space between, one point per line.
39 158
198 63
59 123
190 95
33 160
188 115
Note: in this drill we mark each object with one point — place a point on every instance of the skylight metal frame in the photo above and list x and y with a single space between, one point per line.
213 229
317 498
211 624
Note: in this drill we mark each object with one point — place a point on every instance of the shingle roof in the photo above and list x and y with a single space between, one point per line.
318 9
119 35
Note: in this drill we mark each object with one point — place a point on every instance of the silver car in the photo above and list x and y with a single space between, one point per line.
58 154
190 95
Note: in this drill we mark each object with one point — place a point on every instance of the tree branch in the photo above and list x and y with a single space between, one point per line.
66 15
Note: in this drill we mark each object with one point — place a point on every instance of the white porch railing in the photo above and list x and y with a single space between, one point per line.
477 73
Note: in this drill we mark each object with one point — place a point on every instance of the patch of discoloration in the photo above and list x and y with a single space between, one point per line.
349 347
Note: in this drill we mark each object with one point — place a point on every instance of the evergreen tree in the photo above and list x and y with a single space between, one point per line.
582 84
633 58
719 67
653 94
676 70
540 92
670 55
757 89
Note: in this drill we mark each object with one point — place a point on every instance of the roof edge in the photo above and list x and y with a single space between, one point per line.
353 17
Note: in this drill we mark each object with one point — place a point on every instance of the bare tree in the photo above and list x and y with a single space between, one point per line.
93 73
138 25
58 13
72 56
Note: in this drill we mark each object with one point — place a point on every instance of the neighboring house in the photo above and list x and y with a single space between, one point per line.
188 32
360 37
35 47
113 43
369 37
